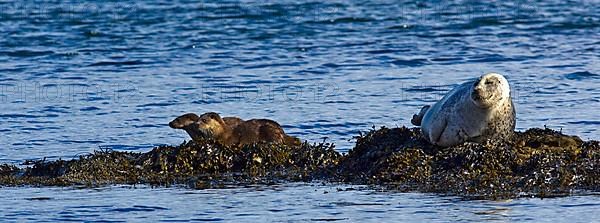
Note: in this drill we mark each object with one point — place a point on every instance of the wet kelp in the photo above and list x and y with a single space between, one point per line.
198 164
537 162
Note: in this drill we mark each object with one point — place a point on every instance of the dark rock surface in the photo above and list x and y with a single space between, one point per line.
537 162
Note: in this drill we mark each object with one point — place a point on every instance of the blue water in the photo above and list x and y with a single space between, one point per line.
284 203
76 76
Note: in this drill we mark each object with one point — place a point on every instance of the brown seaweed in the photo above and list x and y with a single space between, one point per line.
537 162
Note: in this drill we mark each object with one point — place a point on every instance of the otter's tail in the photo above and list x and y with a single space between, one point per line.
292 141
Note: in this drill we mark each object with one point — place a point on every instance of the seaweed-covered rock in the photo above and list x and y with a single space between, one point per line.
382 155
537 162
204 164
7 170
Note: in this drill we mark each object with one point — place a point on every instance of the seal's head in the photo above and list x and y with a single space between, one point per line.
489 90
183 121
210 124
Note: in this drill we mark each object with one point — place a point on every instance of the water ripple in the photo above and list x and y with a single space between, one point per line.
581 75
369 63
118 63
27 53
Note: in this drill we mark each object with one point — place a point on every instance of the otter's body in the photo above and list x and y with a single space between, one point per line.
473 111
232 130
232 121
262 130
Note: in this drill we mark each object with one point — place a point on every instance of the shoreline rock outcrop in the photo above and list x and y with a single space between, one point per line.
537 162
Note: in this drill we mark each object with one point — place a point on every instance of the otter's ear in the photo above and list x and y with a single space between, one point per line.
190 116
214 115
195 118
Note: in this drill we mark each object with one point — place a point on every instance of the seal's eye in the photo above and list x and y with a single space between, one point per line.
488 82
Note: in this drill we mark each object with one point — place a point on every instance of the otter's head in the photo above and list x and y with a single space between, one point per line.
489 89
184 121
210 124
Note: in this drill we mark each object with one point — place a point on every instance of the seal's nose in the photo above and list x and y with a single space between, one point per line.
477 93
171 124
478 90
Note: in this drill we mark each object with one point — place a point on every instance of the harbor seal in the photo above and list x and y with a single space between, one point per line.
232 130
473 111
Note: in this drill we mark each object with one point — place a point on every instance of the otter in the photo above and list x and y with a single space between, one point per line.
187 123
232 130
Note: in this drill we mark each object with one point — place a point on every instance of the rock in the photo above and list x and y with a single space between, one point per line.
537 162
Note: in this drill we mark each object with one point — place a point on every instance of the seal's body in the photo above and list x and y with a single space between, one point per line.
231 130
473 111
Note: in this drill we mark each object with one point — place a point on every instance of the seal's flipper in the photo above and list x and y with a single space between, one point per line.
416 119
438 134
